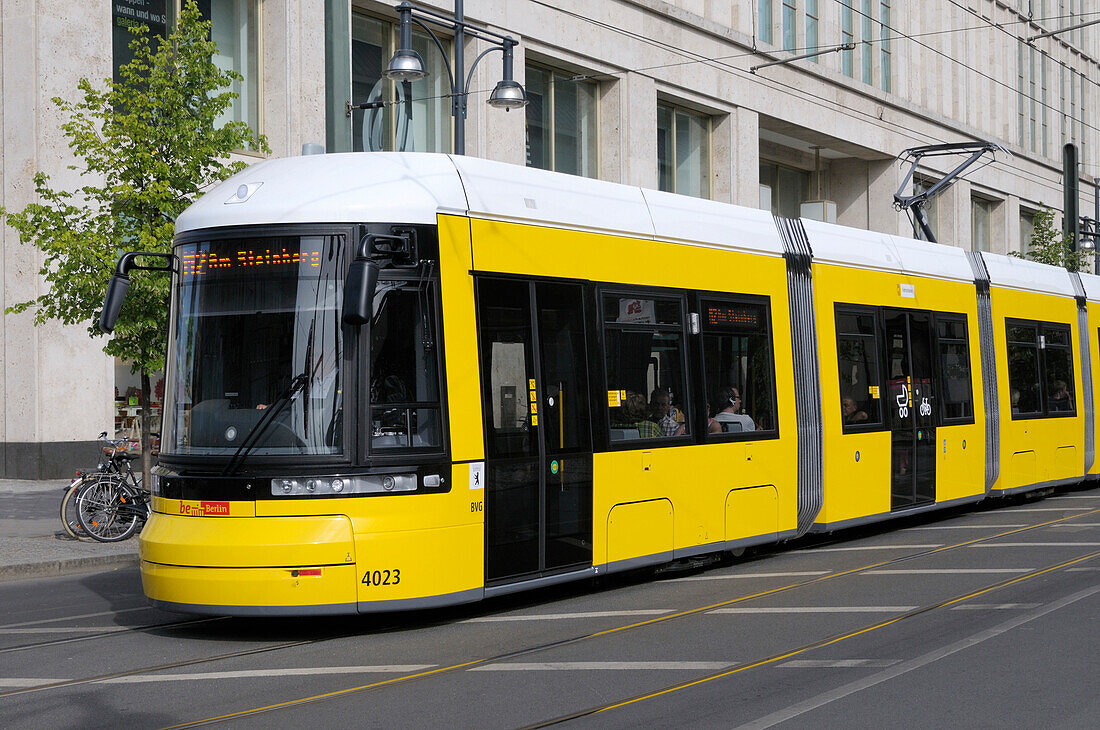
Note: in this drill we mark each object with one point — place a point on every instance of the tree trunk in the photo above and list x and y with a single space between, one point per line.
146 437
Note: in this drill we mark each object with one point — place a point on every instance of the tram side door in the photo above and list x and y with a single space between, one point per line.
538 442
911 405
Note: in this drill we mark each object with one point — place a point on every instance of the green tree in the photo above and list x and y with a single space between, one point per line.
149 144
1049 246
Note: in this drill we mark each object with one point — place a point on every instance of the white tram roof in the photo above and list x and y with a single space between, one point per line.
411 187
1010 272
1091 283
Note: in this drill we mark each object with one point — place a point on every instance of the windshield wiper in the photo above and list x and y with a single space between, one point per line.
266 420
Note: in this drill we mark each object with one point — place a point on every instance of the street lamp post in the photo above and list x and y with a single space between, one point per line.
407 65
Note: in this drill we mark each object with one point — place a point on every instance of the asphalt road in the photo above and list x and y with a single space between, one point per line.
985 618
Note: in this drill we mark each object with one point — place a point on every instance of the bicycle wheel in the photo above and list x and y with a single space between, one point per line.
68 511
106 510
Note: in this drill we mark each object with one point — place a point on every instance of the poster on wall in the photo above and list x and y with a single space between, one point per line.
126 14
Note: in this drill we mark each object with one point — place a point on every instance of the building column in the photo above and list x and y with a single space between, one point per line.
56 391
628 130
735 155
293 74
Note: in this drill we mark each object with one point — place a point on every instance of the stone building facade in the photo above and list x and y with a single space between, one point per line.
645 92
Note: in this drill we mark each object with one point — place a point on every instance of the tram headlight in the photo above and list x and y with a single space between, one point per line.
345 485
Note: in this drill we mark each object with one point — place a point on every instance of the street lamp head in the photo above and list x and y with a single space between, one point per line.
508 95
406 65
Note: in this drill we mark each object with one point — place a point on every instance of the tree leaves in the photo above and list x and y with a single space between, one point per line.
147 145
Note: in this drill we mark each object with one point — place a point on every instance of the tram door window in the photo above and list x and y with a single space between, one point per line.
858 363
954 363
538 487
910 405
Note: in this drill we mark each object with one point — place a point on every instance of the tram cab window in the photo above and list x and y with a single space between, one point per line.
954 363
404 378
739 376
644 340
858 363
1040 369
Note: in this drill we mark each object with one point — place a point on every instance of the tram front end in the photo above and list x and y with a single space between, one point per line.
306 463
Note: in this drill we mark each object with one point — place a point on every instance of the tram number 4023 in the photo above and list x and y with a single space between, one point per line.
382 577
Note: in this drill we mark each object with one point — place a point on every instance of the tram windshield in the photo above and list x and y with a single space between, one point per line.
252 316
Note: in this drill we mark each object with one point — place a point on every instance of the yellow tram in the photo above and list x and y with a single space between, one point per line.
402 380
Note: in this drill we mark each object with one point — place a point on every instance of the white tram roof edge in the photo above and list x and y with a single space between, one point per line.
1010 272
1091 283
353 187
855 247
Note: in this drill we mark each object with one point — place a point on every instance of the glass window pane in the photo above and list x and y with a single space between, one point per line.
625 309
235 29
1059 381
857 360
955 369
740 379
537 86
1056 336
1022 333
567 132
370 51
665 149
645 370
1023 379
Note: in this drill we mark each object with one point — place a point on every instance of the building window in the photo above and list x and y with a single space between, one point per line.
981 217
128 13
886 59
561 123
783 190
847 37
424 125
683 151
790 29
646 372
235 27
867 58
765 20
812 18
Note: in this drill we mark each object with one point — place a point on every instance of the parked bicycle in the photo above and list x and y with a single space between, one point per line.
110 504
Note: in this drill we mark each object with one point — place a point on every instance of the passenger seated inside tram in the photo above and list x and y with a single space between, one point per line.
730 418
1059 397
634 414
852 413
663 414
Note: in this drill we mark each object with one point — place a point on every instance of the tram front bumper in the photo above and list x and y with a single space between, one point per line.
249 565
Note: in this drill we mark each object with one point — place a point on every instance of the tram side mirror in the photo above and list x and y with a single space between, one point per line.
112 302
359 291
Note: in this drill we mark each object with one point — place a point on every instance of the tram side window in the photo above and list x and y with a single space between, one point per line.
404 372
644 341
739 375
954 362
858 363
1040 369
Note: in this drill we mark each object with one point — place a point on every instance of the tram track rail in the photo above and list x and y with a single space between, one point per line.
532 650
526 651
810 646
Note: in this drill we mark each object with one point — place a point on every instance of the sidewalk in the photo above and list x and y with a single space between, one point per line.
33 543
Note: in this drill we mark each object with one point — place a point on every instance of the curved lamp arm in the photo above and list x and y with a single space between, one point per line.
473 66
439 45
